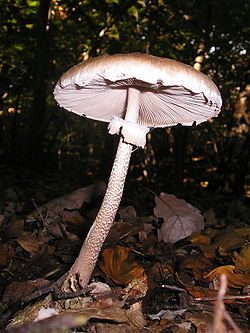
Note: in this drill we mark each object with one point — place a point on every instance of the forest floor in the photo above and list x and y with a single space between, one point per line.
153 275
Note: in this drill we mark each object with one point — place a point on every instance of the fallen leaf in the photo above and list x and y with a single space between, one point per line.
70 201
244 231
137 288
180 218
17 290
135 315
29 313
234 279
224 241
35 243
228 240
30 243
197 263
201 320
127 213
199 239
199 292
6 252
242 260
119 230
120 267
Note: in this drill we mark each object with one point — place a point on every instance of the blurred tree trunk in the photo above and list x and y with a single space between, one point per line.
38 112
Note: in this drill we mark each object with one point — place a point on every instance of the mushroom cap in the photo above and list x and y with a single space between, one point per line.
171 92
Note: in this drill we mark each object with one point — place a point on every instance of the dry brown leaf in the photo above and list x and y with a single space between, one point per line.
228 240
30 244
199 292
180 218
137 288
198 263
29 313
70 201
17 290
199 239
6 252
127 213
34 243
119 266
234 279
135 315
201 320
242 260
244 231
204 243
225 241
118 231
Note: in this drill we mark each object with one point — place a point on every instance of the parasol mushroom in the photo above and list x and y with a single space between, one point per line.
133 93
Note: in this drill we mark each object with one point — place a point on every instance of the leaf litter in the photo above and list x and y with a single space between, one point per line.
160 274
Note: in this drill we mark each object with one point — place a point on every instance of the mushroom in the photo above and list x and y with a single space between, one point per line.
133 93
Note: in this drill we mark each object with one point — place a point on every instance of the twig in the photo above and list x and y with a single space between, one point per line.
220 313
168 286
232 297
39 212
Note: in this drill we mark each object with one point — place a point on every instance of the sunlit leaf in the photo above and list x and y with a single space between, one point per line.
234 279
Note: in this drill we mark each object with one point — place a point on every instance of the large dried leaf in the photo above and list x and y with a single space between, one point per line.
197 263
224 242
234 279
35 243
70 201
17 290
119 266
180 218
242 260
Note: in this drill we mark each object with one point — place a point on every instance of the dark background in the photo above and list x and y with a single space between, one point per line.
46 151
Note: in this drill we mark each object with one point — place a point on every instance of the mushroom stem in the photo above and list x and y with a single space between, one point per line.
86 261
133 99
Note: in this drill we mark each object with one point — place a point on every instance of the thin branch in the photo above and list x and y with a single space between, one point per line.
220 314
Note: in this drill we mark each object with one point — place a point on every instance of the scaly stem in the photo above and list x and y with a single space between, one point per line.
86 261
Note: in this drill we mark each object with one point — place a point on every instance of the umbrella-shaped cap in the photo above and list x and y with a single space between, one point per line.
171 92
